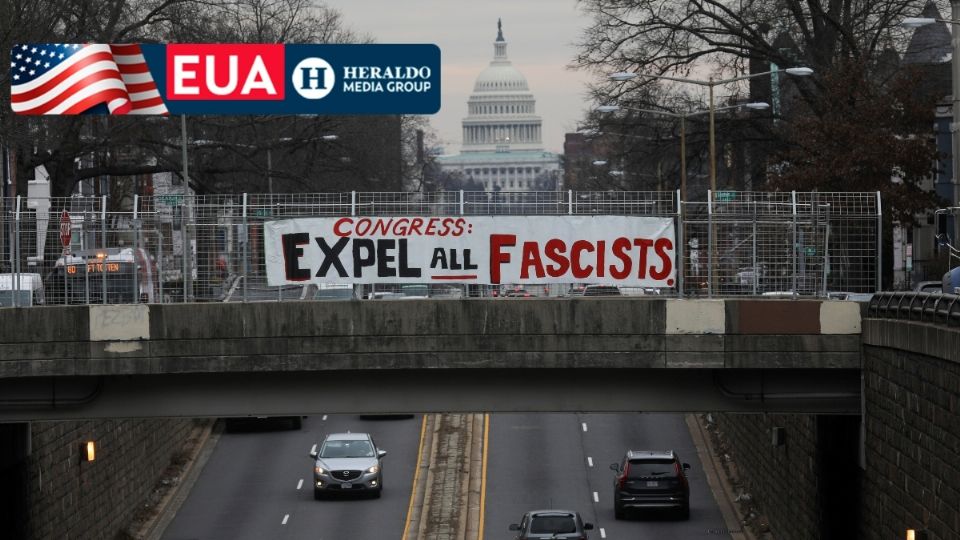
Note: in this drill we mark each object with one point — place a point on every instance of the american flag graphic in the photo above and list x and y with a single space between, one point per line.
69 78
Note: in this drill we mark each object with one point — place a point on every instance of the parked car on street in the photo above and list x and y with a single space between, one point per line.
347 463
601 290
651 480
929 286
518 293
552 524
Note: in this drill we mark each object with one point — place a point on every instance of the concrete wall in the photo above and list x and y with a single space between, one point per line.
416 334
909 473
913 444
70 499
780 480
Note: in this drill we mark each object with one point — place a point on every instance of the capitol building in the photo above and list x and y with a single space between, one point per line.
502 147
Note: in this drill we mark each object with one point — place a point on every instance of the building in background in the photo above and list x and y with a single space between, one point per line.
916 253
502 146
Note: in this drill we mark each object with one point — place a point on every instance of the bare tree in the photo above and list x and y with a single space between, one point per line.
721 39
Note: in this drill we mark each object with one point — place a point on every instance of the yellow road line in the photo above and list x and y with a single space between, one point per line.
483 474
416 478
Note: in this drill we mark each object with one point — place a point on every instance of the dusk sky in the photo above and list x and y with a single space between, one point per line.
540 36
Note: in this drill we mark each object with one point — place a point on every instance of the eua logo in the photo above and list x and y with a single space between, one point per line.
313 78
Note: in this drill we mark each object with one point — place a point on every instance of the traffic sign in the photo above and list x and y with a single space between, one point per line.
726 196
65 229
171 200
809 251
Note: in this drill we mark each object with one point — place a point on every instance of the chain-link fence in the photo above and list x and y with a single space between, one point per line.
182 248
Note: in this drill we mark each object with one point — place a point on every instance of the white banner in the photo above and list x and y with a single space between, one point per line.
618 250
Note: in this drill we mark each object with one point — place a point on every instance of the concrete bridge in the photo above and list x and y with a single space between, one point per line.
597 354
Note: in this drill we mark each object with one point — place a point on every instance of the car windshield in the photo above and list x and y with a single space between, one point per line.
347 449
652 467
552 524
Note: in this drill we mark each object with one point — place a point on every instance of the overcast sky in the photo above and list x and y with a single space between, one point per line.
540 36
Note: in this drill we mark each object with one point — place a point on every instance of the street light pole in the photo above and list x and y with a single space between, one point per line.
710 84
760 105
713 142
269 176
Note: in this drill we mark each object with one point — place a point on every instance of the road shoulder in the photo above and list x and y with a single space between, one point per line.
720 485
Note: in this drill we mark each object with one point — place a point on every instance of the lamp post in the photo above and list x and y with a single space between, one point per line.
758 106
710 84
915 22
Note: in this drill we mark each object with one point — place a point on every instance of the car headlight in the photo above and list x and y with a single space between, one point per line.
319 470
373 470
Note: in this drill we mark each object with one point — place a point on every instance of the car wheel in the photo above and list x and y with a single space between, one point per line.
317 494
619 512
296 422
684 513
376 494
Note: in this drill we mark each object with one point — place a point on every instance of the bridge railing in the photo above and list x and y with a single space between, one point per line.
180 247
916 306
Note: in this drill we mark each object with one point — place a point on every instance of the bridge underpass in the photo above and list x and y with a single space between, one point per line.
447 390
610 354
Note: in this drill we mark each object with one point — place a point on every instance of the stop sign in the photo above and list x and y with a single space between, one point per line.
65 231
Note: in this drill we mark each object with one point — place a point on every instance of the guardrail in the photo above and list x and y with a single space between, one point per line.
916 306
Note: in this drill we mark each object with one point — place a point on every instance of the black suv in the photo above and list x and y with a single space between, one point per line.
651 480
552 524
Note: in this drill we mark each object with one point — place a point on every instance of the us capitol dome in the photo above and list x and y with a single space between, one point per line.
502 147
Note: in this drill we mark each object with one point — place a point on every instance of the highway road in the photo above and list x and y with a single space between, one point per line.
539 461
257 484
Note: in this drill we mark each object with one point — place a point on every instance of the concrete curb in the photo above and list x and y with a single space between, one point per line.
720 485
419 491
475 472
168 506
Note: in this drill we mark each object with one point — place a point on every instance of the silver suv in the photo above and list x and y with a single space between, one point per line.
347 463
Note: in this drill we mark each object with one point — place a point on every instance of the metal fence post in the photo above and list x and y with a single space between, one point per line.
353 203
87 220
570 201
461 202
160 298
16 253
879 285
793 256
753 256
135 226
680 252
246 253
184 247
103 243
826 253
710 241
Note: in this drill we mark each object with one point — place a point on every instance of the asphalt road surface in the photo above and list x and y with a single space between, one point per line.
541 461
257 485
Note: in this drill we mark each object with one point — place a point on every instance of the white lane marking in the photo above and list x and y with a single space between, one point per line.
589 461
584 424
596 498
324 418
300 484
285 518
603 533
313 448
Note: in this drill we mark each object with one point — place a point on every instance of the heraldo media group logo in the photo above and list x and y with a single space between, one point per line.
56 78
